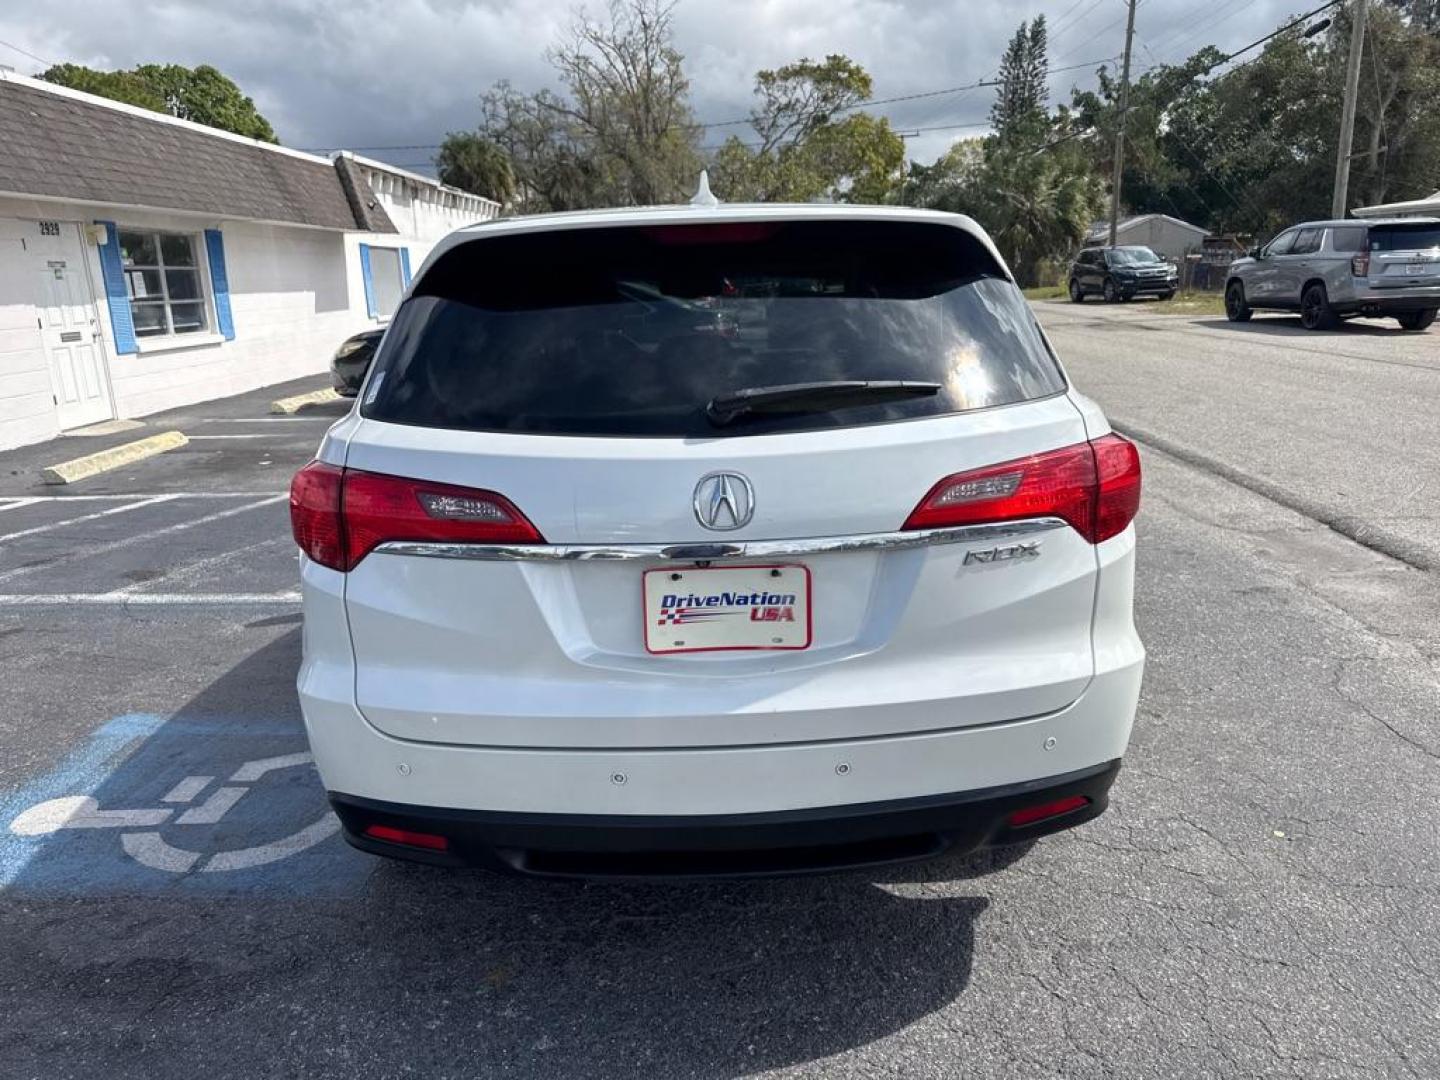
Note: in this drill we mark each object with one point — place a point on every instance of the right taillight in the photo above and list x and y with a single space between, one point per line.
339 516
1360 264
1117 487
1093 486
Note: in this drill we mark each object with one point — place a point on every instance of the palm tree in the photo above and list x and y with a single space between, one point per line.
475 164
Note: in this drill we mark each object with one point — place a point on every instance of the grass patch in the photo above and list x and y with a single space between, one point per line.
1045 292
1191 303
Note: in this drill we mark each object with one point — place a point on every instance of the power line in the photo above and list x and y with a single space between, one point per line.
1060 23
27 52
1096 34
1175 37
1201 74
1261 41
746 120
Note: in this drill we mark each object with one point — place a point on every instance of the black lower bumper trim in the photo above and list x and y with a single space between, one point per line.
785 842
1390 305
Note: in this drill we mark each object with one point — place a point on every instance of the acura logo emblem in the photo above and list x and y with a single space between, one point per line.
723 501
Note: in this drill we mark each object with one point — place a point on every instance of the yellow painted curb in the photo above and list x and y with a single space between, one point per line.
67 472
287 405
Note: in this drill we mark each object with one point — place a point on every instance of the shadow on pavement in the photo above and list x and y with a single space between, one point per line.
1289 326
329 952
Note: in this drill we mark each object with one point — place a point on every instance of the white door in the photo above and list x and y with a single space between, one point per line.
70 325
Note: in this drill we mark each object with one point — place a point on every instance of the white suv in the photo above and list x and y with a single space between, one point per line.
738 539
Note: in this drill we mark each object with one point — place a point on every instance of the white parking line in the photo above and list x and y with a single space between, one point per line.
266 419
117 599
28 499
187 572
16 504
143 537
4 537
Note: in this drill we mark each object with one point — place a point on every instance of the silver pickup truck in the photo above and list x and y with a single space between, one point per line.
1331 270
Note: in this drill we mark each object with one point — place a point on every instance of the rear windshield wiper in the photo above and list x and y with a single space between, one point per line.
813 397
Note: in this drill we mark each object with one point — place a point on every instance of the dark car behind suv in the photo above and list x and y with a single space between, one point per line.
351 361
1122 273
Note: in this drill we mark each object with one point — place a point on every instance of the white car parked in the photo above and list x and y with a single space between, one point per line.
736 539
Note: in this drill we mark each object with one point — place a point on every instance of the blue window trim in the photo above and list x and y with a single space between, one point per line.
117 296
220 283
405 267
370 304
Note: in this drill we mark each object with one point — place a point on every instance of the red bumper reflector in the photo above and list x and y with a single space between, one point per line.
1031 814
410 839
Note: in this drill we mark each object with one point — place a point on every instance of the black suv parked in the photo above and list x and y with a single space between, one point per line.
1120 273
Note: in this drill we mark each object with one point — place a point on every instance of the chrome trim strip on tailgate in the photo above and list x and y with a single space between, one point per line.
707 552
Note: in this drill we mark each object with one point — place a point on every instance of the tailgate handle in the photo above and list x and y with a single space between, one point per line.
702 551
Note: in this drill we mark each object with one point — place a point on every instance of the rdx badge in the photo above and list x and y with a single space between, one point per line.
1028 550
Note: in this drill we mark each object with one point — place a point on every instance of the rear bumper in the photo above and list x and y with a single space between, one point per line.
1152 287
812 840
1397 301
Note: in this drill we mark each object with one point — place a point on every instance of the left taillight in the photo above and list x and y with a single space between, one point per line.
339 516
1093 486
315 513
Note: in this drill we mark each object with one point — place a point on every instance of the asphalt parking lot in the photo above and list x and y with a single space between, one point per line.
1260 900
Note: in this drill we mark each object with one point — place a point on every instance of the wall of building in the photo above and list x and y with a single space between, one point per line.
290 299
1166 238
295 294
27 411
424 211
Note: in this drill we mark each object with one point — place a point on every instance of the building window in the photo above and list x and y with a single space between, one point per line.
163 279
389 277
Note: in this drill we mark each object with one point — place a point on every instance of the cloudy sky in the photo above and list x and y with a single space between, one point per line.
387 78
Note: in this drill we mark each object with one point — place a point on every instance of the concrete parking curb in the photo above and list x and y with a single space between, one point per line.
287 405
1353 527
67 472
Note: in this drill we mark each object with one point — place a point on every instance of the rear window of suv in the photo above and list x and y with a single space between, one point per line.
1418 237
633 331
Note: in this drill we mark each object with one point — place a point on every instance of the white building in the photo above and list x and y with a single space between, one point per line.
1414 208
148 262
1167 236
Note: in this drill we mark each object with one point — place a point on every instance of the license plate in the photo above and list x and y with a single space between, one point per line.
731 607
1415 269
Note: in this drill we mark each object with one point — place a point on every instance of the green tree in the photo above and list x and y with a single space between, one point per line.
947 183
473 163
1020 105
811 141
622 132
1397 122
1250 148
1031 183
123 86
1036 203
555 168
201 94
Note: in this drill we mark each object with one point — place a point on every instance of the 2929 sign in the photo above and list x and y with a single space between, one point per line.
49 228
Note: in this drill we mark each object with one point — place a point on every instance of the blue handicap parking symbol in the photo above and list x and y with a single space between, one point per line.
215 804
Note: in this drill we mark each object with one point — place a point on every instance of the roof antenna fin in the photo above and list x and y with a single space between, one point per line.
703 196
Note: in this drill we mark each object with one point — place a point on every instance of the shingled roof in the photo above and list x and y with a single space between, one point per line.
68 145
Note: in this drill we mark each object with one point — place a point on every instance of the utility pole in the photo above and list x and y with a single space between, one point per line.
1358 10
1120 129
